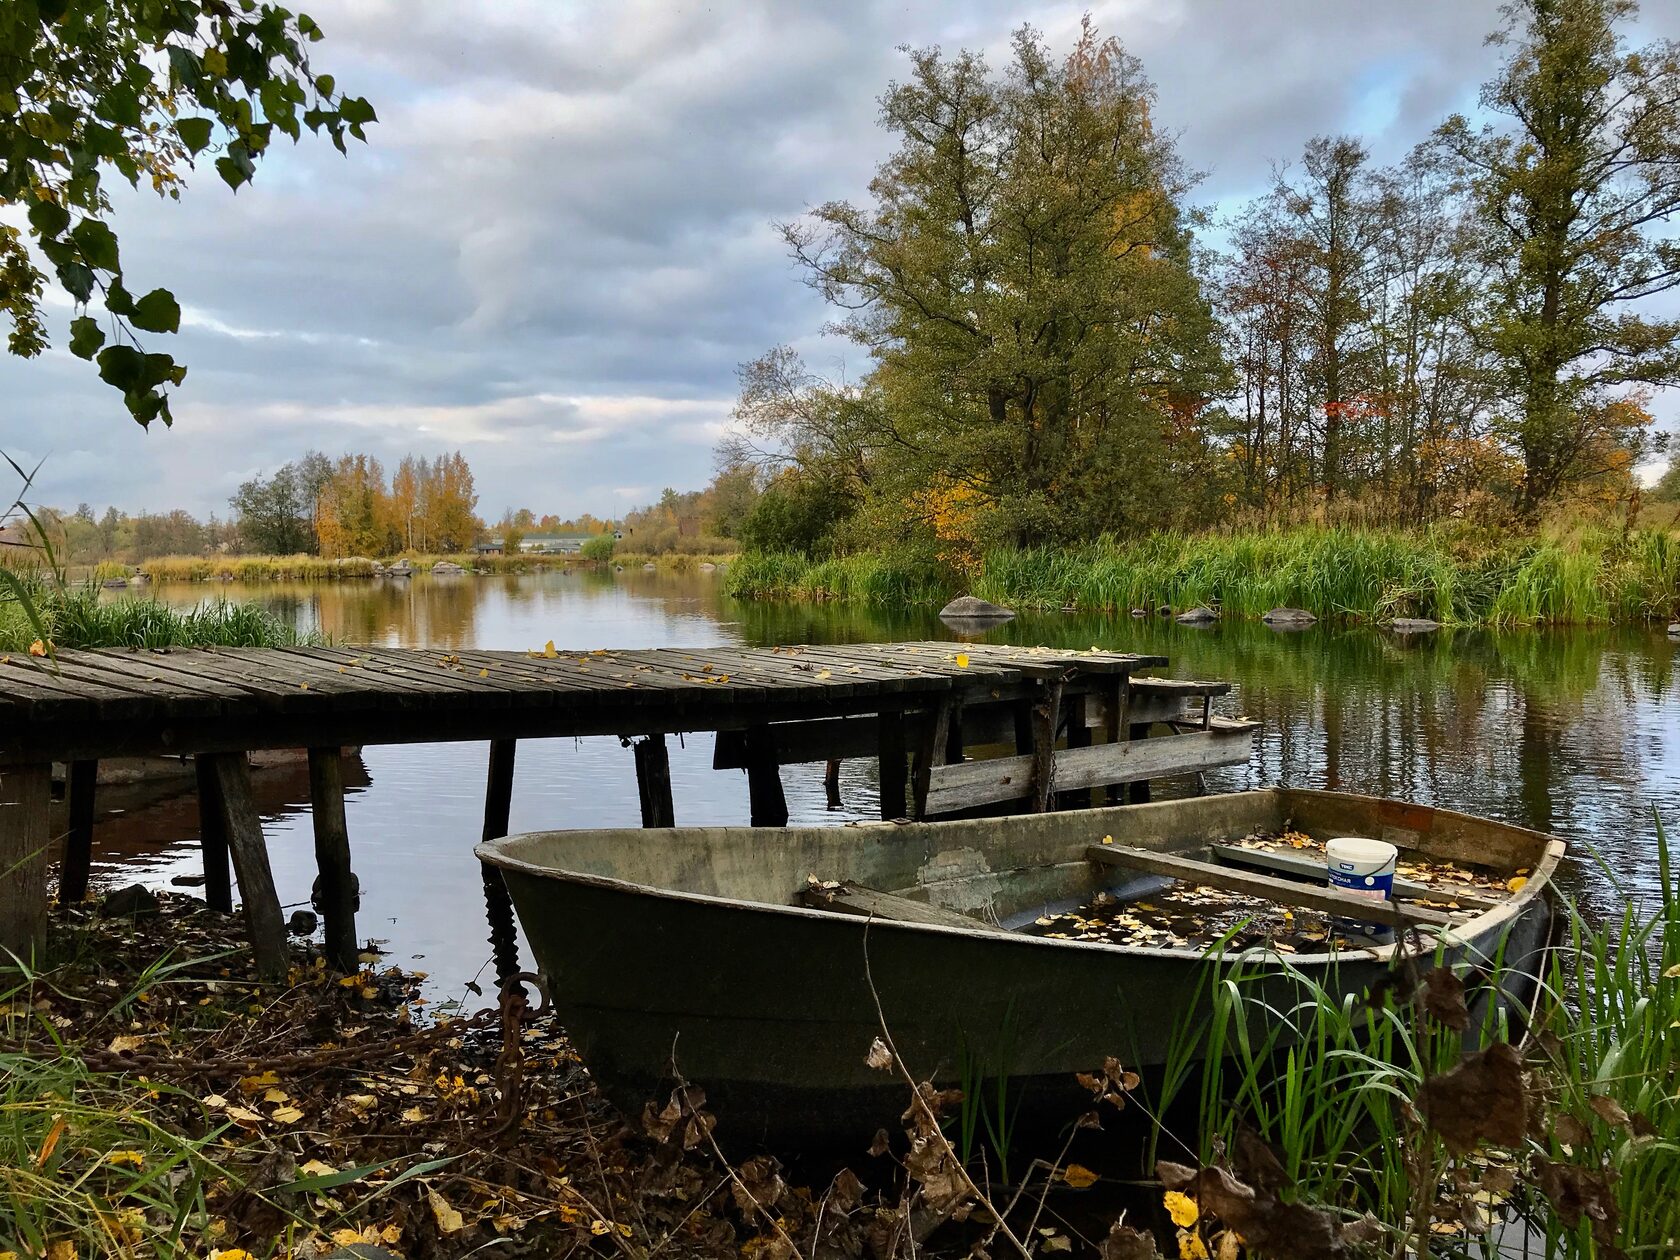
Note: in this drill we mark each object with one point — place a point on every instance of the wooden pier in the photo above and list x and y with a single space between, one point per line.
1072 726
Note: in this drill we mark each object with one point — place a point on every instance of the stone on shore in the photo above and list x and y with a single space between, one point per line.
968 608
1413 625
1198 616
1674 629
302 923
134 902
1288 618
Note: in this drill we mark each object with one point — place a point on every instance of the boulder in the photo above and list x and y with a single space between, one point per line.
966 608
302 923
1198 616
1140 612
706 566
187 881
134 902
1288 617
446 567
1674 629
1413 625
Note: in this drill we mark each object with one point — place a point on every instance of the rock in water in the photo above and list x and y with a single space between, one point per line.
1413 625
134 902
968 608
1285 618
1674 629
302 923
1197 616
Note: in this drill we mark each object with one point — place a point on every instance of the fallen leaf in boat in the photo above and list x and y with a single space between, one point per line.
1516 883
1079 1177
449 1221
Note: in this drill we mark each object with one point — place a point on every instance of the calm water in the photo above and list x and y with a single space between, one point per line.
1576 732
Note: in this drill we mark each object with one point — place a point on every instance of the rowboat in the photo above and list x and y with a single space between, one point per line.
761 963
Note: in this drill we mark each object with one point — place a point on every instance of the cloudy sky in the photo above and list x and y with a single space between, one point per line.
559 242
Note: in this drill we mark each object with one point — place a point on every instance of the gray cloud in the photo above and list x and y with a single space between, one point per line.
558 245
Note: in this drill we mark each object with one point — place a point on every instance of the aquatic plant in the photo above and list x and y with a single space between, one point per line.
1401 1106
77 617
1360 574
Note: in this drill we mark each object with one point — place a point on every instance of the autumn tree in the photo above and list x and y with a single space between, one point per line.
139 89
1572 182
1022 282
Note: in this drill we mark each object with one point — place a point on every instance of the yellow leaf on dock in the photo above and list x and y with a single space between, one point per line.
962 660
548 650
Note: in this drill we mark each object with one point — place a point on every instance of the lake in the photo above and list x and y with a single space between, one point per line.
1576 732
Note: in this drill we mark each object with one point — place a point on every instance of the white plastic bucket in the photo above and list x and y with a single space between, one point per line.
1361 866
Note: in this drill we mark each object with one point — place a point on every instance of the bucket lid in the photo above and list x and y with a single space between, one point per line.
1360 849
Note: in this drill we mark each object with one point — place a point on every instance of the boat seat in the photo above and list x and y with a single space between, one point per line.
850 898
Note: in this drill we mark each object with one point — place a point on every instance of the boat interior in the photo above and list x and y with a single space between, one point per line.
1248 866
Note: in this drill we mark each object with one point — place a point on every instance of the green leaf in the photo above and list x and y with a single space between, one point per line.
325 83
236 168
194 133
97 243
117 299
356 110
76 279
121 366
49 218
86 336
158 311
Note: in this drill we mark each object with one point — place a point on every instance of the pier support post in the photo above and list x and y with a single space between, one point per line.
831 783
212 840
653 781
25 796
1046 714
243 828
498 906
1116 729
1139 792
74 870
337 894
890 759
932 752
1078 736
764 779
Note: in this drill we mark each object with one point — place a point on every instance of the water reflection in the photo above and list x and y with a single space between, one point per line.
1576 732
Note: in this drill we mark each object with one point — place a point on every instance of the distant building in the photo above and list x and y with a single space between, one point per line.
489 548
558 544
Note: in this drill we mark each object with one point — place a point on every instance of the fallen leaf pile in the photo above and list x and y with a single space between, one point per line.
1193 916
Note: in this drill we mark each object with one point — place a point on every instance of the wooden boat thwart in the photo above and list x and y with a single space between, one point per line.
743 957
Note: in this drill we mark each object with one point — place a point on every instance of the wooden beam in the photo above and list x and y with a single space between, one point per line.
77 864
764 780
850 898
25 841
976 783
1138 793
1285 892
1046 719
243 827
1306 868
498 906
212 840
931 750
890 761
653 782
337 894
